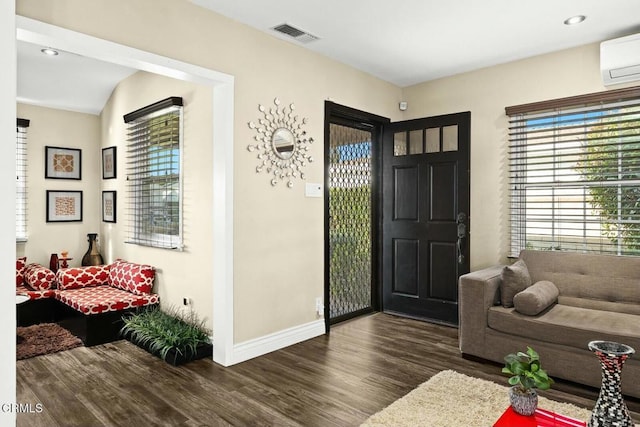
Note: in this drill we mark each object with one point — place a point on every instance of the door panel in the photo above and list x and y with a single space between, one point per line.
350 217
442 191
425 195
406 256
406 190
443 270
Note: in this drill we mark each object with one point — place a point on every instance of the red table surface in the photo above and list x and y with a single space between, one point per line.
541 418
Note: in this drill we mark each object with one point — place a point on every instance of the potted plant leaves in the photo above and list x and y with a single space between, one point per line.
526 375
173 337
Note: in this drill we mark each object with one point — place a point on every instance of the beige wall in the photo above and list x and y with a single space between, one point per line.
486 93
184 273
58 128
278 233
278 240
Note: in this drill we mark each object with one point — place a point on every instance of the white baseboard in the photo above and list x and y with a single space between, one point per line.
277 340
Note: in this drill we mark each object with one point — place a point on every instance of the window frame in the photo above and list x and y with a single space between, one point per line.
141 200
561 178
21 179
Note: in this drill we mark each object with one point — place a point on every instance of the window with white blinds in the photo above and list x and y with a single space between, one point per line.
21 180
574 174
154 174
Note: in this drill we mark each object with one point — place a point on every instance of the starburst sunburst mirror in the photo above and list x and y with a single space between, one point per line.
281 143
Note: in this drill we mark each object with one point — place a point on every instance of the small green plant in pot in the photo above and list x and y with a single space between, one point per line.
526 375
174 337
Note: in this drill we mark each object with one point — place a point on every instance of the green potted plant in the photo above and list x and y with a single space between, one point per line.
170 335
526 375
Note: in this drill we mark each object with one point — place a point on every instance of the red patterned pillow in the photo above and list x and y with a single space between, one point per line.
136 278
82 277
39 277
20 265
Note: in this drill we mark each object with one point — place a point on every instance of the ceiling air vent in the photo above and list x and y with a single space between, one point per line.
295 33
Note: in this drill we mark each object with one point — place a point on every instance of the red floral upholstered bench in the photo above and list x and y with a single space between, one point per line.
37 282
95 298
90 301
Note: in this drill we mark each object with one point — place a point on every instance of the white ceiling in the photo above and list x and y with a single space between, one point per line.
411 41
66 81
404 41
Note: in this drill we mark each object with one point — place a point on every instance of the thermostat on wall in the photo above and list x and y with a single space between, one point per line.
313 190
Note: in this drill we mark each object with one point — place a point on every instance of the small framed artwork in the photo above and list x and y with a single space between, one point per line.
64 206
62 163
109 163
109 206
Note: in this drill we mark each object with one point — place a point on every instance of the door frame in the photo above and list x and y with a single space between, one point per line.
341 114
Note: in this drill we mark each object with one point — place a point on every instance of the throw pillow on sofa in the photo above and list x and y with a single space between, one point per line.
38 277
82 277
21 263
132 277
536 298
515 278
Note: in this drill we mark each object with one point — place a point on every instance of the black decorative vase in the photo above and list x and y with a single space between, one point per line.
610 409
92 257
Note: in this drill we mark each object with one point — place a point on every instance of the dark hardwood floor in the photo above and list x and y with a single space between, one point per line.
336 380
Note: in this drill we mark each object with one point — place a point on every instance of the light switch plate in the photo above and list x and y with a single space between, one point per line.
313 190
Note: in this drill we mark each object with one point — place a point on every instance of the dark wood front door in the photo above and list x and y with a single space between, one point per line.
425 245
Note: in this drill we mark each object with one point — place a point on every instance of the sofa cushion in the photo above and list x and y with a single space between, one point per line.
567 325
81 277
40 294
128 276
38 277
536 298
100 299
606 278
21 263
515 278
597 304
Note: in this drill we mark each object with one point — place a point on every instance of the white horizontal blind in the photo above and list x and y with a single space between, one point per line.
154 174
21 179
575 178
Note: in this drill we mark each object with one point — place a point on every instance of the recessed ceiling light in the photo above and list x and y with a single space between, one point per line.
49 51
574 20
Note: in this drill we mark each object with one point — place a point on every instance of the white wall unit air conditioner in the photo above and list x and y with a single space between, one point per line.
620 60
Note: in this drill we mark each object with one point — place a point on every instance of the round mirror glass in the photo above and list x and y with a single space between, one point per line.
283 143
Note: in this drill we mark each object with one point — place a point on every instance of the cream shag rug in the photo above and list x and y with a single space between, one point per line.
450 399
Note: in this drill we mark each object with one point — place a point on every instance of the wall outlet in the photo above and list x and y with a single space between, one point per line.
320 306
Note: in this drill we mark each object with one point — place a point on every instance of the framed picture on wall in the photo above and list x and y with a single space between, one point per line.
109 206
62 163
64 206
109 163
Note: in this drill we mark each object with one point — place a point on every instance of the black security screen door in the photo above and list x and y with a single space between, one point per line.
350 216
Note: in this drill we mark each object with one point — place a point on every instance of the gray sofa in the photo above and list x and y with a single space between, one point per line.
599 299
